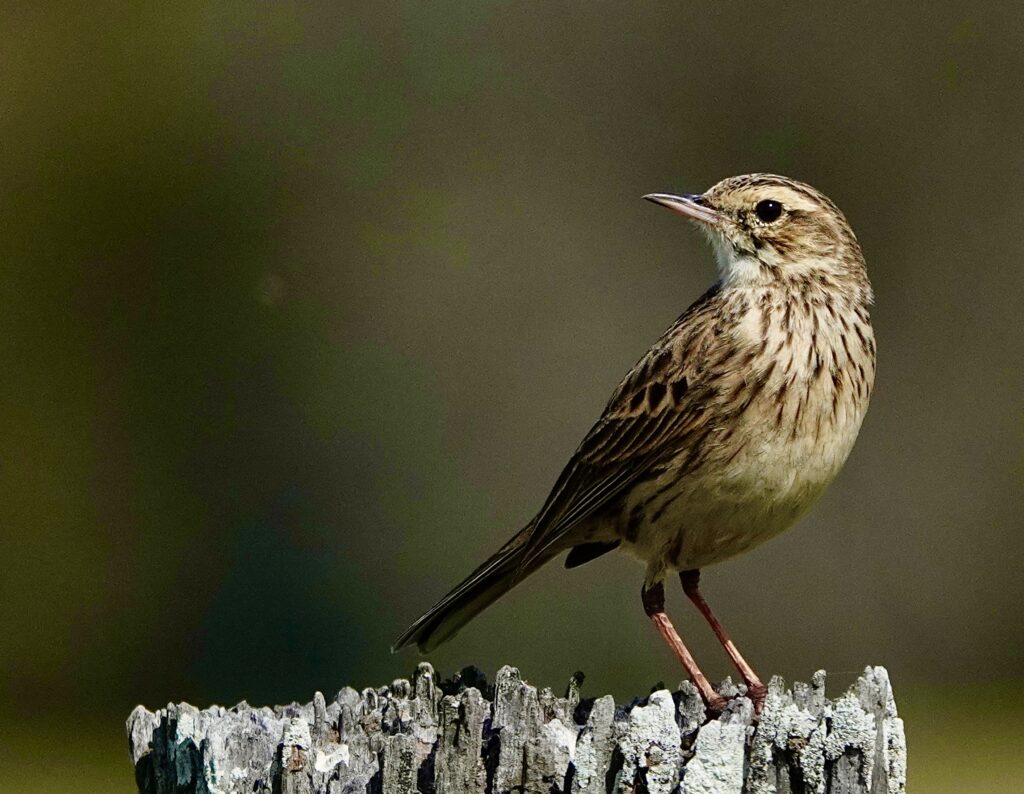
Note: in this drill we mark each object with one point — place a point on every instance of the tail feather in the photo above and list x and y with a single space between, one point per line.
479 590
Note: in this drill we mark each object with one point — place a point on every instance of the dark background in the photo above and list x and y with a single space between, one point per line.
304 309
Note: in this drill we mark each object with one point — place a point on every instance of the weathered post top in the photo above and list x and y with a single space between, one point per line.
463 735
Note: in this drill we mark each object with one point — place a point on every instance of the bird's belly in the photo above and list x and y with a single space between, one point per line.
731 504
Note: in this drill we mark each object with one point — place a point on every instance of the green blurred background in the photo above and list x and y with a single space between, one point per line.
304 307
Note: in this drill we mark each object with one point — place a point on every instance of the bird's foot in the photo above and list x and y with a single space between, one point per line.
757 692
715 704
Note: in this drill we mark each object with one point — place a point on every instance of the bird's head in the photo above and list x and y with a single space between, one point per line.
770 229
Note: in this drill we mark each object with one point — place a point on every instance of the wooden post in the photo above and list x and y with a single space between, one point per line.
463 736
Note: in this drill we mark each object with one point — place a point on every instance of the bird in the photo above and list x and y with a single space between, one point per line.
726 431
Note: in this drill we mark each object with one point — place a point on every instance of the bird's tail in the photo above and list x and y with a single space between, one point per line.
479 590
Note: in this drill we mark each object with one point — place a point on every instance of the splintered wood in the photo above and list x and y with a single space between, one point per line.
463 735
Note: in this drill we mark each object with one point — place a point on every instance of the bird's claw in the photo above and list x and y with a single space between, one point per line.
757 692
716 705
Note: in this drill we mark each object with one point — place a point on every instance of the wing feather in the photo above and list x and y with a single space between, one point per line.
661 407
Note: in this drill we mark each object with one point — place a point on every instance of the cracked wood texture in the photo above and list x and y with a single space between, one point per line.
464 736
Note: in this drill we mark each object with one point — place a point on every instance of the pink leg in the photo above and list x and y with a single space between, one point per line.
755 689
654 606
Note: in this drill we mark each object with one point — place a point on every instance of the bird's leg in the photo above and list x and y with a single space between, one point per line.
654 605
755 689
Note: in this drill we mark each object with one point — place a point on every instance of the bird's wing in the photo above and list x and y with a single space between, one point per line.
667 406
663 408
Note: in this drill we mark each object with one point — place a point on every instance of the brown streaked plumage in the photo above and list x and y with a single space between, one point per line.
727 430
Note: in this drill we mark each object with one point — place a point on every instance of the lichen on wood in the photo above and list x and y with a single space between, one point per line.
463 736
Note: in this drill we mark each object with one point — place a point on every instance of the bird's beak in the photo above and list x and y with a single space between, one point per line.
689 205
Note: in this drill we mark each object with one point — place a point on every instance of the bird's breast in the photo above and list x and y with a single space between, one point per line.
784 428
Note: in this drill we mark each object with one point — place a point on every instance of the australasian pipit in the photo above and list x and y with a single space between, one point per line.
727 430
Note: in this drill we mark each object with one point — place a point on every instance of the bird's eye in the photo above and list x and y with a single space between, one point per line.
768 210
